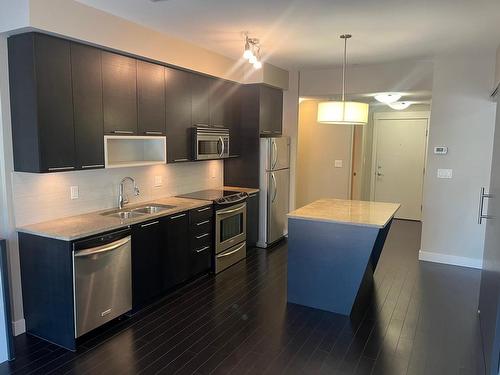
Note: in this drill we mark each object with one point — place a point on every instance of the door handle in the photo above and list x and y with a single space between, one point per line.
275 187
221 140
275 154
223 212
482 196
102 249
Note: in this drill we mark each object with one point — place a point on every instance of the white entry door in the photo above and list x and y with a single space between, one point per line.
399 161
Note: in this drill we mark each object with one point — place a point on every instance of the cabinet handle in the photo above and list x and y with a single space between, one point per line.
203 249
148 224
122 132
153 133
177 217
276 132
266 131
203 235
92 166
203 222
204 209
181 159
252 195
61 168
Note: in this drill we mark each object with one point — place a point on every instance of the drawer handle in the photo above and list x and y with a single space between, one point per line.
92 166
203 222
232 252
203 235
153 133
177 216
266 131
122 132
148 224
204 209
181 159
276 132
203 249
61 168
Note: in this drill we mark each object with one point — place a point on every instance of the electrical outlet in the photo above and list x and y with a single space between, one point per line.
158 181
445 173
338 164
74 192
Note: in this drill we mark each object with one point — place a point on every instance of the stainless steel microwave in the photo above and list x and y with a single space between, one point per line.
210 143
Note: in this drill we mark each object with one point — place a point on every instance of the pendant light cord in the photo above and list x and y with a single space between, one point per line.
345 37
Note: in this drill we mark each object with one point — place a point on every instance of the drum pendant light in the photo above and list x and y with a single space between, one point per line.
342 112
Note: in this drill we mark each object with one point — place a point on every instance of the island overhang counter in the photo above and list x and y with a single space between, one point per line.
333 249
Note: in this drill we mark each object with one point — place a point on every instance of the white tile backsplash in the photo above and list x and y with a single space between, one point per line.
41 197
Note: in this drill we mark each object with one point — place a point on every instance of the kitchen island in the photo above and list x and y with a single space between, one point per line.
333 249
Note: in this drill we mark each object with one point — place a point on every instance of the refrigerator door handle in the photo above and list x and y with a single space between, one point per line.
275 187
274 154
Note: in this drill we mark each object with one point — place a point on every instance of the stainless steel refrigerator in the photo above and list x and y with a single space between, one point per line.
274 194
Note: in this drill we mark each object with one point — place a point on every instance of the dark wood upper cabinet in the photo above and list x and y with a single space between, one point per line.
200 94
232 118
178 110
87 102
150 98
270 110
41 103
218 98
119 83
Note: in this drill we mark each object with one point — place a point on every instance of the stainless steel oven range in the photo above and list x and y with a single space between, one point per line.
230 225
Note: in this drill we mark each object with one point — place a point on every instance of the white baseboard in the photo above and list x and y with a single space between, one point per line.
18 327
450 259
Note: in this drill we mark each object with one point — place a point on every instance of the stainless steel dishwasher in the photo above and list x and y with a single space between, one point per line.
102 279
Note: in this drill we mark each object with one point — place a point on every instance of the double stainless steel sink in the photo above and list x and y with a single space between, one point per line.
138 211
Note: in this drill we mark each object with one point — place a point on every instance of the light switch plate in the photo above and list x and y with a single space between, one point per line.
74 194
338 164
445 173
158 181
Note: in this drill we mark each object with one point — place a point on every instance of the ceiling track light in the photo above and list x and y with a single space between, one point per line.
252 52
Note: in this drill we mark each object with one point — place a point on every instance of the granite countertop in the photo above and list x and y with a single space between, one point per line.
242 189
363 213
80 226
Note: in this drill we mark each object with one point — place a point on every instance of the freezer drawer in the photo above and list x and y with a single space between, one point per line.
102 284
230 256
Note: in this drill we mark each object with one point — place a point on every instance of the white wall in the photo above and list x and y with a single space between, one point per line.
462 118
362 79
319 145
290 127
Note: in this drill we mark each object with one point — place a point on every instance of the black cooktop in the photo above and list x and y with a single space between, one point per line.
215 195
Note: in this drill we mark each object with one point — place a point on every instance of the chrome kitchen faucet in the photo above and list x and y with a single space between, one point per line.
122 198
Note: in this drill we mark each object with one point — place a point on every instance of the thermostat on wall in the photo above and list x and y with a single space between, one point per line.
440 150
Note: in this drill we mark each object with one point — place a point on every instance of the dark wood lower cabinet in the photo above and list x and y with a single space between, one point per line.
148 261
252 219
178 248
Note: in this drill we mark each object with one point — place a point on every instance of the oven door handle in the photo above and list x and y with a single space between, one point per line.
231 252
230 211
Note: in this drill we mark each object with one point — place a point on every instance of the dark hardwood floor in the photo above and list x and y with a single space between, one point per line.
423 320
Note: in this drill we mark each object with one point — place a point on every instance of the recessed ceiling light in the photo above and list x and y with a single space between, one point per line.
388 97
400 105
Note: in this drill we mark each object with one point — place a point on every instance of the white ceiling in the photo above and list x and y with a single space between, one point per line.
304 33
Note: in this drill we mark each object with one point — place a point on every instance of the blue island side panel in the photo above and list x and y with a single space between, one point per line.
326 263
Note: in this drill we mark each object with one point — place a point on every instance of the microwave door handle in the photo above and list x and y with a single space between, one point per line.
221 140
